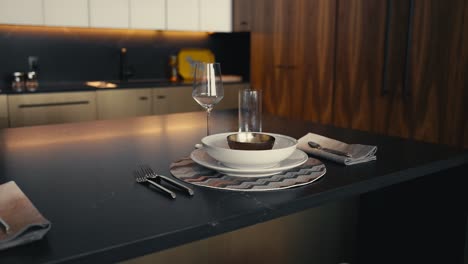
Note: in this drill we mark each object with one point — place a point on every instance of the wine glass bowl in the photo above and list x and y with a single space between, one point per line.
207 87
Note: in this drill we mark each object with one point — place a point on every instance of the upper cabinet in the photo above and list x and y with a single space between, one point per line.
180 15
66 13
199 15
148 14
109 13
216 15
22 12
183 15
242 15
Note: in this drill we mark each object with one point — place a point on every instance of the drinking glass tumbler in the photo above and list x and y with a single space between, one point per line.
250 110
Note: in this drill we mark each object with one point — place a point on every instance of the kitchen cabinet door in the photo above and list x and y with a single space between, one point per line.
435 80
148 14
277 55
359 63
66 13
117 104
242 15
3 111
22 12
261 52
51 108
316 74
183 15
174 100
464 82
216 15
109 13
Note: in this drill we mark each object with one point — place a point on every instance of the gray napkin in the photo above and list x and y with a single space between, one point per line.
360 153
17 214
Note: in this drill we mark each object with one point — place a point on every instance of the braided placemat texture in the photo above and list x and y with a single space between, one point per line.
189 171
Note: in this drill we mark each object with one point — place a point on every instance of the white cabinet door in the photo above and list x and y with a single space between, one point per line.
3 111
109 13
174 100
183 15
123 103
148 14
51 108
24 12
72 13
216 15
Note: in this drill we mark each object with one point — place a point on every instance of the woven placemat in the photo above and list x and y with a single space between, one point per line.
189 171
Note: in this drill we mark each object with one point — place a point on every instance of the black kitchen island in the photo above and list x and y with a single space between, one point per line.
80 177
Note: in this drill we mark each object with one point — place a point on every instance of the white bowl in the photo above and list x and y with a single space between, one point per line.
217 147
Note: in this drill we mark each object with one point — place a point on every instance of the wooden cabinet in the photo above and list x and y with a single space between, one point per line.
410 87
123 103
148 14
360 41
72 13
242 15
435 82
174 100
292 57
23 12
316 69
274 55
215 15
3 111
183 15
109 13
51 108
391 67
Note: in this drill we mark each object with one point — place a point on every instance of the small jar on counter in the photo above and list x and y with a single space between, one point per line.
18 82
31 82
173 73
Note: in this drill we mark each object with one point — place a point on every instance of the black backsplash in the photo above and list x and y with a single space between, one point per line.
68 54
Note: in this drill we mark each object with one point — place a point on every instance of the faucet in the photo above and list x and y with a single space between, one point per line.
124 70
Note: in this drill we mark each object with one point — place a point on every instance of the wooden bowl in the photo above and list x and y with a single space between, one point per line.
250 141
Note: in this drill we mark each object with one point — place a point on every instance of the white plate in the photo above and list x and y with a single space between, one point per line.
201 157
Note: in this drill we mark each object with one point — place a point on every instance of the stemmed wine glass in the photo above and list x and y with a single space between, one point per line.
207 87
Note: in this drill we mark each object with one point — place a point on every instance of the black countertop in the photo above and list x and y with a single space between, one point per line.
54 87
80 177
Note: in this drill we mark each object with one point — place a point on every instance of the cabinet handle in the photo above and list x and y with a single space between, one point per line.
388 21
244 23
143 98
285 67
53 104
406 85
161 97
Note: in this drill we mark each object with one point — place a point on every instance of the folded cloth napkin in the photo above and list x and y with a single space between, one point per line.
20 222
359 153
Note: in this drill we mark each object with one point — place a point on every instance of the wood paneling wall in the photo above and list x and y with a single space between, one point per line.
464 78
396 67
318 31
359 63
396 119
435 89
292 55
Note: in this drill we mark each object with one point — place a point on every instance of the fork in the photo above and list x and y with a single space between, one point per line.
149 173
140 177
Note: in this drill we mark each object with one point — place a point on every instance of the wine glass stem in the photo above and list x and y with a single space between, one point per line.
208 113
